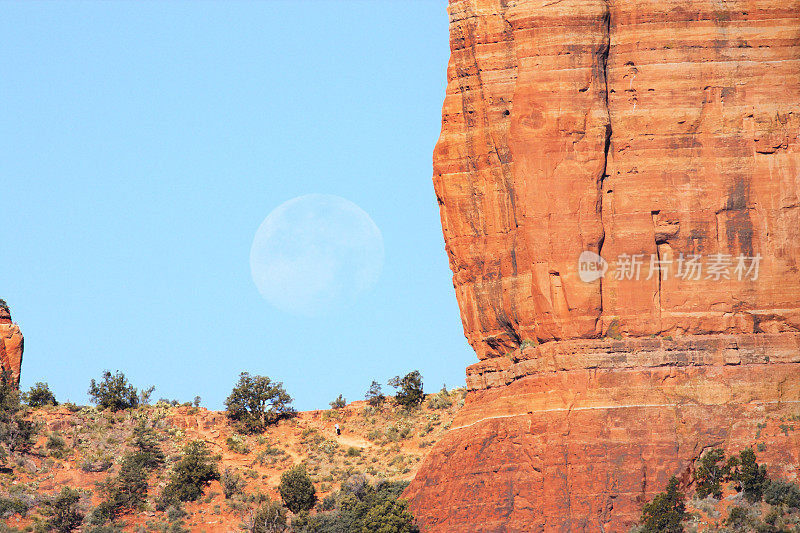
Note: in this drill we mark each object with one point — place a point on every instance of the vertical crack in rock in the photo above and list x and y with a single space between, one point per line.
658 242
603 54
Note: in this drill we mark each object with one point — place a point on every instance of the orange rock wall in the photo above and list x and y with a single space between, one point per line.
577 435
661 130
11 345
653 128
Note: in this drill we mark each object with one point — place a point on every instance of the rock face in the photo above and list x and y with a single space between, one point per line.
663 137
11 344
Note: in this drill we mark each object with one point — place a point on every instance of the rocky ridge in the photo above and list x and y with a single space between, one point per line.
662 137
11 344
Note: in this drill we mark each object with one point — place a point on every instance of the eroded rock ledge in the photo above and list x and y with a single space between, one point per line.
635 353
577 435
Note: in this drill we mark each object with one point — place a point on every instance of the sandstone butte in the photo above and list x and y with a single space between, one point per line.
11 344
657 128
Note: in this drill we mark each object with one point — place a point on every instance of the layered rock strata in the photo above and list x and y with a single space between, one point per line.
662 137
11 345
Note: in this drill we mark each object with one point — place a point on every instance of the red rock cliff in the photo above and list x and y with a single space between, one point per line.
11 344
659 134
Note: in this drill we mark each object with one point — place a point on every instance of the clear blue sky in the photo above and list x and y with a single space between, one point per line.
141 145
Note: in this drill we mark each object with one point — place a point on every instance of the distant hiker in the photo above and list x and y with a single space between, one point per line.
338 431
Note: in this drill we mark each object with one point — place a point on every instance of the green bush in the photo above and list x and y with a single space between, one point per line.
55 445
256 402
232 483
738 519
11 506
441 400
374 395
712 471
40 395
113 392
338 403
16 433
388 516
191 475
269 518
147 451
127 491
751 475
237 444
782 493
297 490
360 507
666 512
64 511
352 451
409 389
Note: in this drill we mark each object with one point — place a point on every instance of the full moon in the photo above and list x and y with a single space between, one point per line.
315 254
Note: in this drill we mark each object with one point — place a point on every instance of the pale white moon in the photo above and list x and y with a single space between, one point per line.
315 254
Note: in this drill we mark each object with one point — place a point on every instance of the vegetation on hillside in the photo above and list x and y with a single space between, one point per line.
125 465
753 501
256 402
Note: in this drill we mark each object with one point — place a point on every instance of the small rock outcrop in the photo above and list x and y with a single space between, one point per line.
11 344
619 188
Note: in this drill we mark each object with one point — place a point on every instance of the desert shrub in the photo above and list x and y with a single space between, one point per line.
96 464
256 402
196 402
270 517
39 395
146 394
63 511
237 444
270 455
352 451
782 493
328 446
12 506
751 475
374 395
127 491
113 392
393 434
297 491
409 389
191 475
666 512
360 507
338 403
55 445
614 331
738 519
441 400
712 472
147 451
388 516
16 433
232 483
